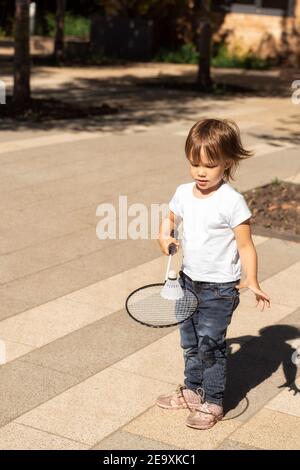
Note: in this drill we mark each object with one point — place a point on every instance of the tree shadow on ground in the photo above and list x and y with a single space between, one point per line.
287 135
118 103
257 359
130 106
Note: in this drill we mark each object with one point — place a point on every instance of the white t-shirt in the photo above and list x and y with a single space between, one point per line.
209 247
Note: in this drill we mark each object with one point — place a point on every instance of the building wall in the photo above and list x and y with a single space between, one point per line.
266 36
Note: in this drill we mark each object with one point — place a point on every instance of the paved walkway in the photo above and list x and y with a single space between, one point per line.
79 373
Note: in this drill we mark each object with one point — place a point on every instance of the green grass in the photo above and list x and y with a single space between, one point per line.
78 26
187 54
275 180
226 59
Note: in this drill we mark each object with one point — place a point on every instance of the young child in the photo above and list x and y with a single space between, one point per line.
216 244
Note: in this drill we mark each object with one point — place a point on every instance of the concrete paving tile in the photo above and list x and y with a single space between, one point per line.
96 407
94 263
23 197
273 343
120 285
11 183
47 254
288 401
66 148
248 319
161 360
49 169
35 225
16 436
96 346
17 199
169 427
85 361
46 323
270 430
249 177
249 387
11 350
74 157
40 287
65 199
95 183
69 197
258 365
287 253
11 306
258 239
119 257
229 444
17 236
122 440
12 135
288 278
58 196
62 202
43 286
24 386
293 179
71 312
292 319
12 266
265 148
41 141
248 390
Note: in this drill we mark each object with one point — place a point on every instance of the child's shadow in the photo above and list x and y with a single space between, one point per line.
257 359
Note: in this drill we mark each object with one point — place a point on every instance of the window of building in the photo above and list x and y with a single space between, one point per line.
258 7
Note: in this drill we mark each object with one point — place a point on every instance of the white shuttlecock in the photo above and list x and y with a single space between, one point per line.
172 289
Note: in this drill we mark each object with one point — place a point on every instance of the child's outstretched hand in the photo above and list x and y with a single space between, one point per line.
262 299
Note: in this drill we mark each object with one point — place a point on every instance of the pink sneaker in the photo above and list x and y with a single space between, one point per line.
182 397
205 416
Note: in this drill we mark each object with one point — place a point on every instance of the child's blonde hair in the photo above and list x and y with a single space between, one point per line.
219 139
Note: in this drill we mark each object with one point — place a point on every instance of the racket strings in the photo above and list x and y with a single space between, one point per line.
147 306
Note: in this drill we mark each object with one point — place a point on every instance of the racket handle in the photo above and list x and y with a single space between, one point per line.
172 249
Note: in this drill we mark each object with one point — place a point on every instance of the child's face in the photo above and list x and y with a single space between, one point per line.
206 174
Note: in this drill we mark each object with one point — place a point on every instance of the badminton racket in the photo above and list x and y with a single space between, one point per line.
165 304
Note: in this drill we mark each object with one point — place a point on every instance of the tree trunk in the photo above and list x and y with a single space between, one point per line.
21 93
59 35
204 49
203 39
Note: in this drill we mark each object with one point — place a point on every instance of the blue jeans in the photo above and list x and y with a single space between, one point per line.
203 336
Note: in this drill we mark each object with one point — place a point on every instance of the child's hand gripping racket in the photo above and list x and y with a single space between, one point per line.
162 305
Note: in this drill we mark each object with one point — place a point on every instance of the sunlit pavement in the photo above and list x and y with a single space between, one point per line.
77 372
